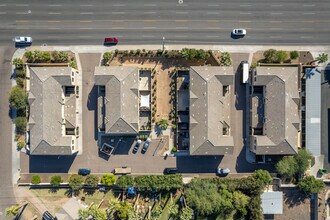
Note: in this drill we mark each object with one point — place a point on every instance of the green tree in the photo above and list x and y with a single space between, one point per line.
162 123
263 176
240 202
287 166
270 56
113 206
18 62
108 179
92 180
73 64
225 59
161 182
186 213
302 159
173 209
17 98
125 181
125 210
94 212
63 56
36 179
56 180
311 185
294 54
281 56
76 182
20 145
156 212
254 209
322 58
20 124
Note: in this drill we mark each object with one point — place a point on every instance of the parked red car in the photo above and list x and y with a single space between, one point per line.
110 40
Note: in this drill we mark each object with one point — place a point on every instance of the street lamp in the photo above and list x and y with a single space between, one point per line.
163 43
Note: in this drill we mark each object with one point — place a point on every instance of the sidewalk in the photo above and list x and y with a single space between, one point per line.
24 194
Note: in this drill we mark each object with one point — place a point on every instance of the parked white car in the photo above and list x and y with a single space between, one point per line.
23 40
239 32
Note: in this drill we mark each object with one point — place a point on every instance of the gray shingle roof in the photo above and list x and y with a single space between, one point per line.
46 101
281 117
210 110
121 100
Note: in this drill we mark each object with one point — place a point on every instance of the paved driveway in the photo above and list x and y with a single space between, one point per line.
325 110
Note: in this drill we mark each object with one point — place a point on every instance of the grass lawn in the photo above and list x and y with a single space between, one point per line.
53 200
166 211
96 197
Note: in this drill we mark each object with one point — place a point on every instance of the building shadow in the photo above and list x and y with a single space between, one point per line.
92 106
50 164
198 164
326 74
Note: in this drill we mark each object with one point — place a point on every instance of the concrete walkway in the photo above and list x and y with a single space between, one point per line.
24 194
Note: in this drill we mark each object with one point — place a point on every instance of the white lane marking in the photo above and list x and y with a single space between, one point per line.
22 5
275 37
308 5
3 5
181 12
180 36
212 36
276 5
3 13
22 13
212 13
54 5
306 37
149 5
213 5
276 13
245 13
119 5
86 5
309 13
148 36
149 12
86 13
55 13
86 36
118 13
245 5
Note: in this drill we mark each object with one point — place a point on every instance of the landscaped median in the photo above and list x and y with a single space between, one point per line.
153 196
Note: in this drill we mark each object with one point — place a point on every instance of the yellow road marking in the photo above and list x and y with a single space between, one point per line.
22 21
53 21
54 28
22 28
86 21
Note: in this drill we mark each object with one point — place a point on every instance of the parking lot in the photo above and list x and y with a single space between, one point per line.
150 162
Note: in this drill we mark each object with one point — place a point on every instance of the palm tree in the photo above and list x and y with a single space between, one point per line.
322 58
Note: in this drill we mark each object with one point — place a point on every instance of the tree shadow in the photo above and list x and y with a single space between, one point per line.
53 190
293 197
89 191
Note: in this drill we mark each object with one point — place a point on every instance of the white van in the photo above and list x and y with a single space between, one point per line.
245 72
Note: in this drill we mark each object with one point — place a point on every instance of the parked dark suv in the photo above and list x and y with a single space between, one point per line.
170 170
84 171
146 145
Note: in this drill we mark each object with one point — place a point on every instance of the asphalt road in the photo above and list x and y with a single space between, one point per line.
6 186
179 21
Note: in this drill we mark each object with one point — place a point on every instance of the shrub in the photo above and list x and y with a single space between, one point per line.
56 180
106 57
263 176
311 185
108 179
20 145
225 59
173 127
92 180
162 123
174 149
20 82
60 57
270 56
76 181
294 54
17 98
36 179
125 181
21 124
73 64
20 73
18 62
281 56
29 55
